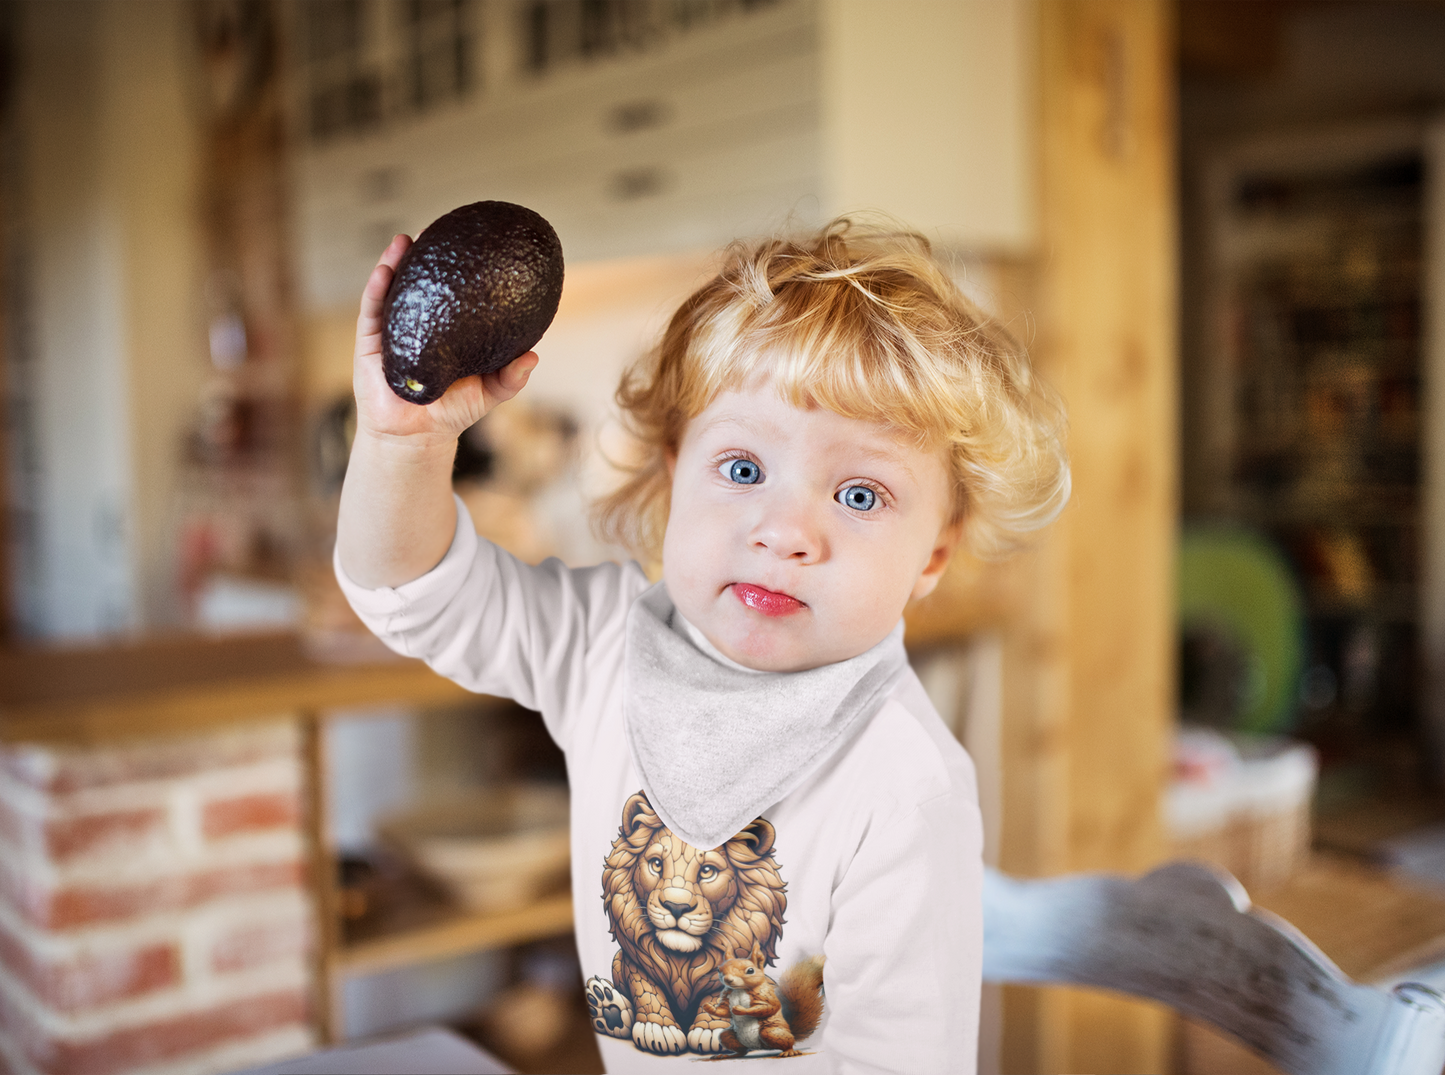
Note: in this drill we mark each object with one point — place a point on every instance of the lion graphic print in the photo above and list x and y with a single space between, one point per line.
695 931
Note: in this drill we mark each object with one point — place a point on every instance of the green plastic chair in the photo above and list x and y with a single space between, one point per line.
1235 581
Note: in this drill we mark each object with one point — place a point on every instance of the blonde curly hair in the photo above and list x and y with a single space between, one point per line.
862 320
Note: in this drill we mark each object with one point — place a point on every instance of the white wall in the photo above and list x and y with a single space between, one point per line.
83 580
151 146
928 113
108 340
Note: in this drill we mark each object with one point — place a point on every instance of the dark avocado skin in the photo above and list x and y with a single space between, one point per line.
478 288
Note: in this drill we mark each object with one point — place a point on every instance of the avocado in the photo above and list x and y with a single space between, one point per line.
478 288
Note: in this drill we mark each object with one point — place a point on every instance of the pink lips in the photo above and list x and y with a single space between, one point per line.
767 602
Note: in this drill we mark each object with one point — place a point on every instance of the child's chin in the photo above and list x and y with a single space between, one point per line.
782 658
770 661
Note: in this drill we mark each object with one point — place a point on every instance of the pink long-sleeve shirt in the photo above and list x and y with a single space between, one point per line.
877 856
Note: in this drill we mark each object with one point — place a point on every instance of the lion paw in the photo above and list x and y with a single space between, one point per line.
662 1038
705 1040
610 1011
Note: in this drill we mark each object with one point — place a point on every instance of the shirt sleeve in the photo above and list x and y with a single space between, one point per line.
905 946
497 625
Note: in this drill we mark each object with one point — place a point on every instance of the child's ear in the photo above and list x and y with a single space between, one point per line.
948 539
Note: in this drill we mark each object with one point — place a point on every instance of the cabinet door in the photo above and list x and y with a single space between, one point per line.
711 135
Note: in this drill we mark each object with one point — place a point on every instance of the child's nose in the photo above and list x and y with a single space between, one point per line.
790 532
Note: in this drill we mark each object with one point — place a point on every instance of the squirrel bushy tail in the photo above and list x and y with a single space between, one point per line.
800 990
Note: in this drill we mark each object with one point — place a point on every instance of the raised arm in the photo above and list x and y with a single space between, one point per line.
397 518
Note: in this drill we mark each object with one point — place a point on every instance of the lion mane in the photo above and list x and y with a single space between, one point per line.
737 892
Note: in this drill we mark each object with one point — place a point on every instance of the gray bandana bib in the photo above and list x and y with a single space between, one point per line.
716 743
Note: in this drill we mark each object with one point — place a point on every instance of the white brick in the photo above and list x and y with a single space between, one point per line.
200 926
277 774
154 1007
176 779
14 1058
278 845
265 1049
119 763
209 925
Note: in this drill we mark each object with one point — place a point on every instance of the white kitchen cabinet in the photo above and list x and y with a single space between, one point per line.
769 114
713 135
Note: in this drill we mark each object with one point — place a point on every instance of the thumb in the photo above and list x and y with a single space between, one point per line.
521 367
511 378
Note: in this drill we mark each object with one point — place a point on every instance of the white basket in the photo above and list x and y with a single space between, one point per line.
1252 817
490 848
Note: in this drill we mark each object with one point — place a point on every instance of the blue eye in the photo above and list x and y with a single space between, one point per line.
745 472
858 497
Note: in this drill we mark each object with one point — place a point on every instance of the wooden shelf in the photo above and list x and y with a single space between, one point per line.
190 683
1372 924
455 934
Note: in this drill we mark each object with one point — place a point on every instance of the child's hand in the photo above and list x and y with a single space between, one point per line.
382 413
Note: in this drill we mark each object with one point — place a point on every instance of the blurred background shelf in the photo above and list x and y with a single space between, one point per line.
420 932
188 683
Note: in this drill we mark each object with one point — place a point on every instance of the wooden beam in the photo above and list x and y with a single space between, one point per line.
1432 548
1089 666
328 1016
164 686
9 609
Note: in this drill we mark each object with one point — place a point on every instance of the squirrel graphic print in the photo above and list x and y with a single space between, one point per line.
765 1014
689 926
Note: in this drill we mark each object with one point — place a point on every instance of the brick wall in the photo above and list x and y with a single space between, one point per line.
153 910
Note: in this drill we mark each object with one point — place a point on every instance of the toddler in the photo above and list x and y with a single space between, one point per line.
784 836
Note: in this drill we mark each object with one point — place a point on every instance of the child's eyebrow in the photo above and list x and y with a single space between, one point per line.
886 455
892 454
746 424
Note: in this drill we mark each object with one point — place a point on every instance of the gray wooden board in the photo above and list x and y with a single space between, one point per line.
1187 936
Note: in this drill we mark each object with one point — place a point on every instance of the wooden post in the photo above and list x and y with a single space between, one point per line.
328 1016
9 608
1432 548
1089 664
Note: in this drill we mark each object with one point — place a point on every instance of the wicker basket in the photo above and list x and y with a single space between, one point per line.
491 848
1251 815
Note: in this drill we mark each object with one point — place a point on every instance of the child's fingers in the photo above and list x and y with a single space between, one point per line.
374 293
511 378
367 373
515 373
392 255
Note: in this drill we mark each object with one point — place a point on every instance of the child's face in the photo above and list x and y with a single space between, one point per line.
796 536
